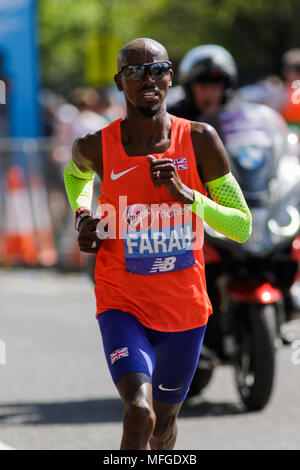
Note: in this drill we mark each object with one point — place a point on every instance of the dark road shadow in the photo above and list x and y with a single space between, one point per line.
73 412
107 410
206 409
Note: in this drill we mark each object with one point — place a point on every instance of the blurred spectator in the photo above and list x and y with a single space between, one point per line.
75 119
277 93
112 103
81 116
49 102
291 66
291 74
269 91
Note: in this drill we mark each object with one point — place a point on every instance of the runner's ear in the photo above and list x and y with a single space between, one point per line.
118 81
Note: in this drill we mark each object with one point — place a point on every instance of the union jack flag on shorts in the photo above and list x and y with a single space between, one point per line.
122 352
180 163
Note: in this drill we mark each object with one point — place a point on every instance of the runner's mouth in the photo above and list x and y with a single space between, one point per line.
150 95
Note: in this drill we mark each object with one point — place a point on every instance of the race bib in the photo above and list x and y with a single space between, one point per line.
158 240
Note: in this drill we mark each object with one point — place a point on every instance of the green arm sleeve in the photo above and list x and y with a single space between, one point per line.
228 213
79 186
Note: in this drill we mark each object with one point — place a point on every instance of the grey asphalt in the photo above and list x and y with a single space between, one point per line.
56 392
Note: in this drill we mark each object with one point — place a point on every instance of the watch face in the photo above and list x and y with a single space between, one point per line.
80 217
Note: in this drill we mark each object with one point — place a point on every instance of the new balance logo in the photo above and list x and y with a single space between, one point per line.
163 265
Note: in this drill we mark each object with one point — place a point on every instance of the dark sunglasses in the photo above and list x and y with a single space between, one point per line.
137 72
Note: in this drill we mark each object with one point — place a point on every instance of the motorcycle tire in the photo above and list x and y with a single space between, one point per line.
255 361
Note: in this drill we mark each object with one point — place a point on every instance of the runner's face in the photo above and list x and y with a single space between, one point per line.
148 94
207 96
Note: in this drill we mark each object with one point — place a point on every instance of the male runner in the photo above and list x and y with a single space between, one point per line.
152 303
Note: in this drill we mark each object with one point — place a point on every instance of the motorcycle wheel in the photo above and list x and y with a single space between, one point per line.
255 362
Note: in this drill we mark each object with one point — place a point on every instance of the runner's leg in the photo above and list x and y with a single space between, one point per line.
139 417
130 358
165 432
177 356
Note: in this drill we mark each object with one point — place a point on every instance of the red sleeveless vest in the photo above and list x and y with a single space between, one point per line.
152 265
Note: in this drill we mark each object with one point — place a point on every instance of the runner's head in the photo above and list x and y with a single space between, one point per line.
145 88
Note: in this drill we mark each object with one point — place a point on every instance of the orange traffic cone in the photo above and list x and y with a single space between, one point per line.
18 244
47 253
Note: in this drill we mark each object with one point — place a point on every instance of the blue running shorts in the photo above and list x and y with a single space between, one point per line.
169 359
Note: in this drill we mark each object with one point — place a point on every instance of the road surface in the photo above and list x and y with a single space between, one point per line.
56 392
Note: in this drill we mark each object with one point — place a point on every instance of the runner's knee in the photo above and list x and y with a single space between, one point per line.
139 417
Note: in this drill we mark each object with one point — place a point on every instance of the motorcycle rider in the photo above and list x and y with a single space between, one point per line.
208 78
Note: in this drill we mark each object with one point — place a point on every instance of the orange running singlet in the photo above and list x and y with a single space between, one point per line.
152 265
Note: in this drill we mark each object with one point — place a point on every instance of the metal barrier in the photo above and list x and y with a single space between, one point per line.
36 221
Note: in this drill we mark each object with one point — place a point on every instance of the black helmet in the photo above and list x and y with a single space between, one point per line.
208 63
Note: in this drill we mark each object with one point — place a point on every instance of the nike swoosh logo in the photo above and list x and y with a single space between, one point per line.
168 389
115 176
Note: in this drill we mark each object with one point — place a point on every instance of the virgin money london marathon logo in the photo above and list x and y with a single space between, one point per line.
139 215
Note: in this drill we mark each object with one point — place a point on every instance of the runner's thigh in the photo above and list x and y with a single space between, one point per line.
176 356
126 346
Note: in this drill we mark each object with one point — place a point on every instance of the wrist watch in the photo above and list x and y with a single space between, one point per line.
80 214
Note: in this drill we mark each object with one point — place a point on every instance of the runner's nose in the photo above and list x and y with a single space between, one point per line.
147 78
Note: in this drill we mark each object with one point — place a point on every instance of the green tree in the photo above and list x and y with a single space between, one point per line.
256 32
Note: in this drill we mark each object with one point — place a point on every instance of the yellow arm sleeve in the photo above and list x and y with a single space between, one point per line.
228 212
79 186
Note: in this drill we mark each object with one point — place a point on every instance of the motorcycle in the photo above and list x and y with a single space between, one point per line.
250 284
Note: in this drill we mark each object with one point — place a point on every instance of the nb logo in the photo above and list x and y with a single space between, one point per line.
163 265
